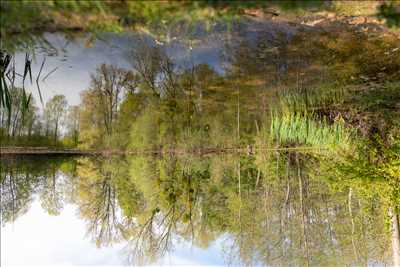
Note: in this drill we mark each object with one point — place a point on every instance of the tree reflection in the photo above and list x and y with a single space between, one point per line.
24 176
274 209
96 198
51 194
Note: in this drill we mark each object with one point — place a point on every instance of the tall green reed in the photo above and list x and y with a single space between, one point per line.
301 119
307 129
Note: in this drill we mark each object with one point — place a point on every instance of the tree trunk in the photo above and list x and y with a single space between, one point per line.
394 218
303 215
353 226
55 133
238 114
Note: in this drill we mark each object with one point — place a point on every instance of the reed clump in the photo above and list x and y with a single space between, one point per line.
311 99
305 129
300 119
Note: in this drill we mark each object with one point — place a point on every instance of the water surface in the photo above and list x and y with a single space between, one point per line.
214 210
312 106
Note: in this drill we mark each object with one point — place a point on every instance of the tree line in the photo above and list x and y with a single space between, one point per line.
55 125
162 104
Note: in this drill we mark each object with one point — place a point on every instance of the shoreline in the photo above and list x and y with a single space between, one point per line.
249 150
44 151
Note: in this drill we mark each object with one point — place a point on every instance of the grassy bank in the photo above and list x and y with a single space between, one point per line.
25 20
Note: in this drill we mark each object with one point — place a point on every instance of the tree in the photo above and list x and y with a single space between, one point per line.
146 61
73 124
101 102
109 83
54 113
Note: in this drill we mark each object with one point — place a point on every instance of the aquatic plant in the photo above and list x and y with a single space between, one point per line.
304 129
7 72
311 99
305 118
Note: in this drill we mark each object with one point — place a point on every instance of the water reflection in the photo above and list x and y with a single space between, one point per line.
271 82
284 211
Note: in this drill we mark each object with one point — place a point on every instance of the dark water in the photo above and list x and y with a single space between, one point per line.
214 210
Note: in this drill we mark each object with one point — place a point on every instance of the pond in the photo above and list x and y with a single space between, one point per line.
213 133
211 210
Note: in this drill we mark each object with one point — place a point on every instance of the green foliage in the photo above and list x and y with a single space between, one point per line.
312 100
390 11
296 129
371 173
7 81
28 127
300 119
5 99
99 122
54 114
145 131
22 177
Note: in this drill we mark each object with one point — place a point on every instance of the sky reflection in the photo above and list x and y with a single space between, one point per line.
38 239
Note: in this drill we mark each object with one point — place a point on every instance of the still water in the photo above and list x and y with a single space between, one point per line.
253 85
187 210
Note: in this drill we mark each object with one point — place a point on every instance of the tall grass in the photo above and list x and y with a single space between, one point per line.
304 129
310 99
300 119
